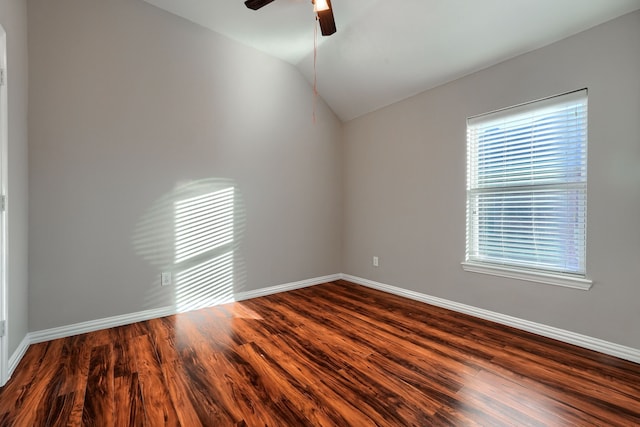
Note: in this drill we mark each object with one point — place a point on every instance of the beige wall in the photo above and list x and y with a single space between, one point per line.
405 185
13 18
133 109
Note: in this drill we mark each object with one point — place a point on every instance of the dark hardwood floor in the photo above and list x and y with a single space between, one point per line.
335 355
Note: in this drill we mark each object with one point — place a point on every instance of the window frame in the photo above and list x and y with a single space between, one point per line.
510 268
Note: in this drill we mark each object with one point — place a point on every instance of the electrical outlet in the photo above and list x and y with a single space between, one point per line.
165 279
376 262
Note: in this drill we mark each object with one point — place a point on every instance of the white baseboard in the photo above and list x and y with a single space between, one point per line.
595 344
606 347
96 325
241 296
16 357
126 319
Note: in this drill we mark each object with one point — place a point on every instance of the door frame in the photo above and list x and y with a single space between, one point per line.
4 136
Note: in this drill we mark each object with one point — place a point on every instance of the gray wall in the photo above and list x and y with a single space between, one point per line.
405 185
13 17
134 109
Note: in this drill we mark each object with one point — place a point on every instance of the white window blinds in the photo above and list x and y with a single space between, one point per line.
527 186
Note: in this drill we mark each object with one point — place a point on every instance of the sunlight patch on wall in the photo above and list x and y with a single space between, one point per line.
206 284
203 223
194 232
203 238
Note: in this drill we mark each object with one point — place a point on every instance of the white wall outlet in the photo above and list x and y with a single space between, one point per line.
376 262
165 279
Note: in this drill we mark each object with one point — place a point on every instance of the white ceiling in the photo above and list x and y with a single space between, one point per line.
387 50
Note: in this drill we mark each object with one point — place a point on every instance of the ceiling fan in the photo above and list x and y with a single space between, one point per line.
322 8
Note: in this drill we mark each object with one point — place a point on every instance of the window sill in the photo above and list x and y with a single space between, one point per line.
531 276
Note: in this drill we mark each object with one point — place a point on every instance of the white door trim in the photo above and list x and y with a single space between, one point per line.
4 324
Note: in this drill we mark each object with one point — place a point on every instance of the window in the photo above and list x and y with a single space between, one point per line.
527 191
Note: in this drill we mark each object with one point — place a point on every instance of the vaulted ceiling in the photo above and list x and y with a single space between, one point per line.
387 50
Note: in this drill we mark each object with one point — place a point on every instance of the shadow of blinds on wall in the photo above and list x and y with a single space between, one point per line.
204 253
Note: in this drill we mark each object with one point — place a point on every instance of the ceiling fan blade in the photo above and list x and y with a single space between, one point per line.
256 4
327 23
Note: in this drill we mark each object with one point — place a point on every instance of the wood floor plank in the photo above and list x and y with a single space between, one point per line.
181 394
34 410
60 411
285 375
538 407
378 321
255 403
23 379
326 341
376 340
128 402
599 408
371 399
158 408
589 377
76 354
329 355
124 362
75 365
211 405
99 400
378 334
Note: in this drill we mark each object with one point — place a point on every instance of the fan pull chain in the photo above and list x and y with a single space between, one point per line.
315 72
